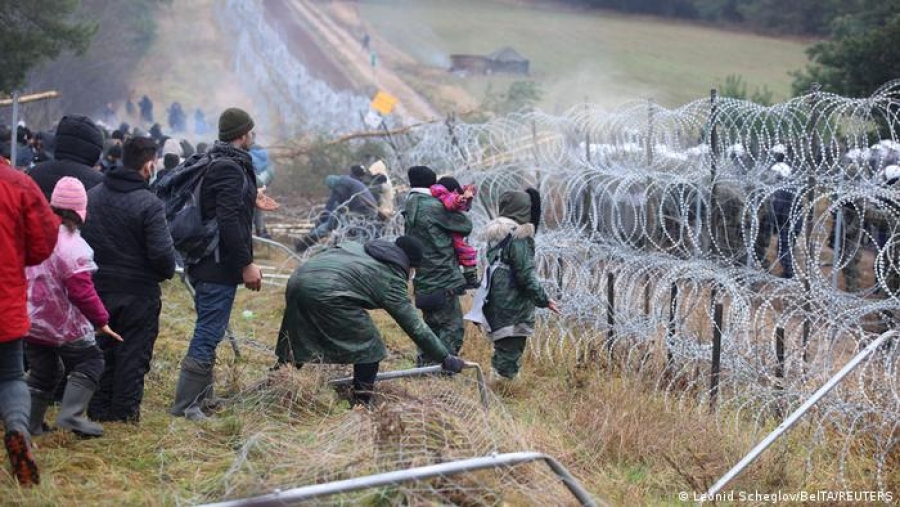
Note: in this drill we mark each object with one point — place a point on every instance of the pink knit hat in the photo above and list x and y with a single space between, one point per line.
69 194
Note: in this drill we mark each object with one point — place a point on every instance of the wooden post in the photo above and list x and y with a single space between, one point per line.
716 357
13 142
25 99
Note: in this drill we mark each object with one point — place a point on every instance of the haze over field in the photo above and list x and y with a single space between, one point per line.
603 57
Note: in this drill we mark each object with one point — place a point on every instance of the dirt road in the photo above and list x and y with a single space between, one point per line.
344 49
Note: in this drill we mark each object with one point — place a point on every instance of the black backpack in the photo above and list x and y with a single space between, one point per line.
179 189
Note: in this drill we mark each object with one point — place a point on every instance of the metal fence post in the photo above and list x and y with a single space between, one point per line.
610 312
716 357
673 311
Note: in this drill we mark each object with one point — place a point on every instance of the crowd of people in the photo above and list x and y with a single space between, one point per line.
88 238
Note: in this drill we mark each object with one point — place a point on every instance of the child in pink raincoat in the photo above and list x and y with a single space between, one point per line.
65 313
456 197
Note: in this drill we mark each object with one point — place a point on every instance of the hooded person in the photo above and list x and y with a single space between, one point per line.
265 174
439 281
513 284
326 317
79 144
382 188
349 196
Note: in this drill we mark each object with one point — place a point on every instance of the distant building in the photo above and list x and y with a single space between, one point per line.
505 60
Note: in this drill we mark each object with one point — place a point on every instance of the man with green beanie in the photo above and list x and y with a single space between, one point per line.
514 288
228 195
439 281
326 317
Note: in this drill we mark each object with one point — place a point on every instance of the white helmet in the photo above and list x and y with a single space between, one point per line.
782 169
891 172
779 149
736 150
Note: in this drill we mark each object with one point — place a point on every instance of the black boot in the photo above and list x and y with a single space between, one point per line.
40 400
471 276
74 404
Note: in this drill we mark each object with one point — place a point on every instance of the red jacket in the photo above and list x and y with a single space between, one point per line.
28 233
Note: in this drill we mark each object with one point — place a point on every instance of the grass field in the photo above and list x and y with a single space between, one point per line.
602 57
620 436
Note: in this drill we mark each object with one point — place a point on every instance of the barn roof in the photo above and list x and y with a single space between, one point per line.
507 54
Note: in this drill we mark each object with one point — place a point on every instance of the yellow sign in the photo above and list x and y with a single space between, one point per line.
384 102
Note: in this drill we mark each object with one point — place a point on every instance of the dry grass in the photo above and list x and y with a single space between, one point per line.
625 440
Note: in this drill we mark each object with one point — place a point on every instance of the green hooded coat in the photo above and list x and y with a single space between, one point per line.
325 318
515 289
428 221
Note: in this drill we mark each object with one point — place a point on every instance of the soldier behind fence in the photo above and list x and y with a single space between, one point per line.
885 215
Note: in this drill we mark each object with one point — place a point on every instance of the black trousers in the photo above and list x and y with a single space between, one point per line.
363 380
45 373
136 318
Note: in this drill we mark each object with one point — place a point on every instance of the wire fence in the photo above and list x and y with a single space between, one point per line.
732 253
735 254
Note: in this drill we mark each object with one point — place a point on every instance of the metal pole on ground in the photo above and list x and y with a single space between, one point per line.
394 478
796 415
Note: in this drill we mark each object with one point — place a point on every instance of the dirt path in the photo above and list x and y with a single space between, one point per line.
346 48
294 29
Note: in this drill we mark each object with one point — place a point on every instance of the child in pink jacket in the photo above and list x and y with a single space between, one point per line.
65 313
459 198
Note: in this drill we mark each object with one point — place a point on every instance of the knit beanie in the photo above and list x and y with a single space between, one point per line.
412 247
421 176
69 194
234 123
517 206
450 183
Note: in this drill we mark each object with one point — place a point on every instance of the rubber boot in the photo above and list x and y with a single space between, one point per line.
209 400
193 384
24 468
40 400
74 404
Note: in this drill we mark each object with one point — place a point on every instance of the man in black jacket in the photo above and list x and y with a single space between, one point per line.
228 195
79 144
134 253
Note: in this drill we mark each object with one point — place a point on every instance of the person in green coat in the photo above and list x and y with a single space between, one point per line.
514 290
438 282
327 298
